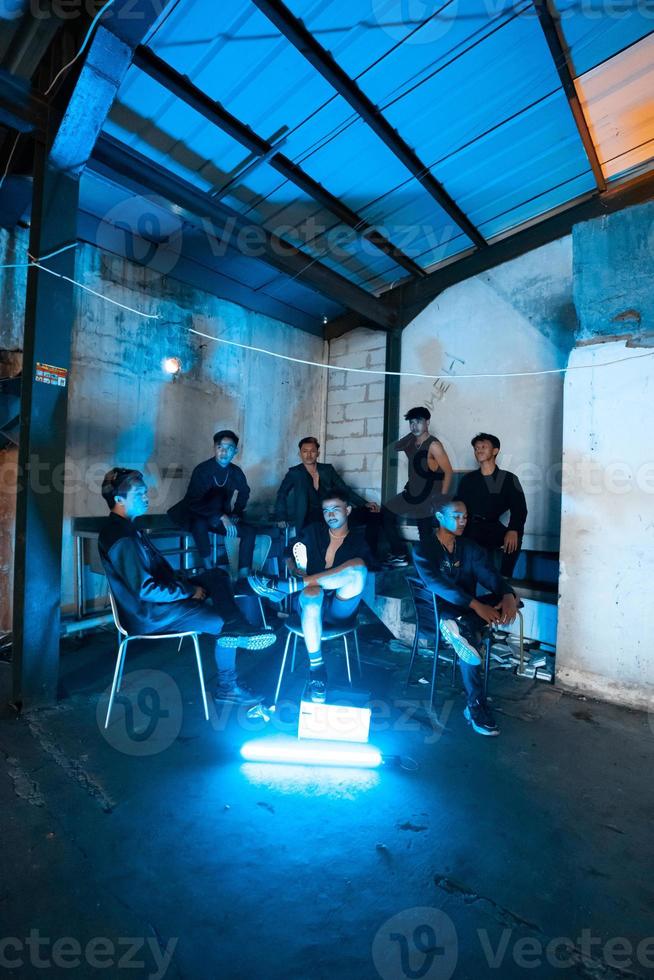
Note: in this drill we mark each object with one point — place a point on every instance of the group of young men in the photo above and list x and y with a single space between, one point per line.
334 542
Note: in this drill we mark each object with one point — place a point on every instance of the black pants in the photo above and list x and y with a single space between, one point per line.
216 612
200 527
371 522
490 535
423 516
473 628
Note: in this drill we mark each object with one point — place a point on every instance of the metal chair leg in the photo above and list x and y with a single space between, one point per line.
489 642
414 650
434 669
263 615
118 672
356 647
522 641
347 659
198 661
294 651
179 645
281 672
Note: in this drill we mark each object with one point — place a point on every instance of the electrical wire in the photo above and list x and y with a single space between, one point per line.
9 159
82 49
411 374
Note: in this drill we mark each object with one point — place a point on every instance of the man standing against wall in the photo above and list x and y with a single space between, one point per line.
488 493
429 479
209 503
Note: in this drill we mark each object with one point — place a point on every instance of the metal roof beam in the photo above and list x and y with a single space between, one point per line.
300 37
138 171
559 51
411 298
183 88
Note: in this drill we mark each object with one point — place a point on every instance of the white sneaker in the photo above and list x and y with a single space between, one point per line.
465 650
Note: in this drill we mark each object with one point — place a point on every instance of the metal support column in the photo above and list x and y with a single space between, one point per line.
391 413
44 405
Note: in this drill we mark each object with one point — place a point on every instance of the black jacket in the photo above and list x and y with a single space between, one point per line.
142 582
315 538
454 578
205 496
491 496
298 482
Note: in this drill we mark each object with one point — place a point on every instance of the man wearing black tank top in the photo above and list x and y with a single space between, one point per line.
429 478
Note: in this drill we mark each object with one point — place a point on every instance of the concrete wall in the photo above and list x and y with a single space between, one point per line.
355 410
606 609
517 317
123 409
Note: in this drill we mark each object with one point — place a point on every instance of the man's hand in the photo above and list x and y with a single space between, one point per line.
293 570
487 613
230 525
373 507
510 542
200 594
507 608
282 524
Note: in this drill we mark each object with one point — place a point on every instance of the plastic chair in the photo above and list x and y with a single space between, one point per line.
426 609
122 651
294 627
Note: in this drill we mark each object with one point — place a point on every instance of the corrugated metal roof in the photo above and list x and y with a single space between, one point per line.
470 85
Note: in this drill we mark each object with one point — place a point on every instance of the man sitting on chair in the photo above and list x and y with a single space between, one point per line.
451 567
152 597
331 586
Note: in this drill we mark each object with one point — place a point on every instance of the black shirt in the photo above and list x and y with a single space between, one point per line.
316 539
210 492
454 577
488 497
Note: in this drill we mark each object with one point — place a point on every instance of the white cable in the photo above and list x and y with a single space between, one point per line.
81 50
410 374
2 179
114 302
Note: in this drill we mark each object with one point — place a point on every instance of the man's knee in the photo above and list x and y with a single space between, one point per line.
311 596
357 574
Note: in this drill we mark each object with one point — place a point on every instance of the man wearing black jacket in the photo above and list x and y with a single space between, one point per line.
331 586
488 493
154 598
452 567
299 496
209 503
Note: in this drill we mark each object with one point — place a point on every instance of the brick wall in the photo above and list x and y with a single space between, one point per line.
355 410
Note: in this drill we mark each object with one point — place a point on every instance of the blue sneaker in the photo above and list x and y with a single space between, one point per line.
480 717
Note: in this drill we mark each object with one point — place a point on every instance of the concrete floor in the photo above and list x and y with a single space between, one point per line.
164 842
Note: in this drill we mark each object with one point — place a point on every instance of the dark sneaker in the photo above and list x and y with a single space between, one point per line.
480 717
247 638
317 690
235 694
465 650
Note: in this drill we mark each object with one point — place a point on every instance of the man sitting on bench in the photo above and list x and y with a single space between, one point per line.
451 567
215 501
152 597
331 587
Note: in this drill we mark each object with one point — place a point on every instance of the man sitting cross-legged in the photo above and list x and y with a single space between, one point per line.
331 587
451 567
152 597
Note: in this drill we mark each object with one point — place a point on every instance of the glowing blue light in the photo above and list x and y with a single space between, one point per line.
307 753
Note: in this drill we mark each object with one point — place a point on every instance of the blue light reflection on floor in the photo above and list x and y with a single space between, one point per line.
336 783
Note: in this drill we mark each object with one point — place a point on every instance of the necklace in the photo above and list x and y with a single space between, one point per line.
339 537
224 481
